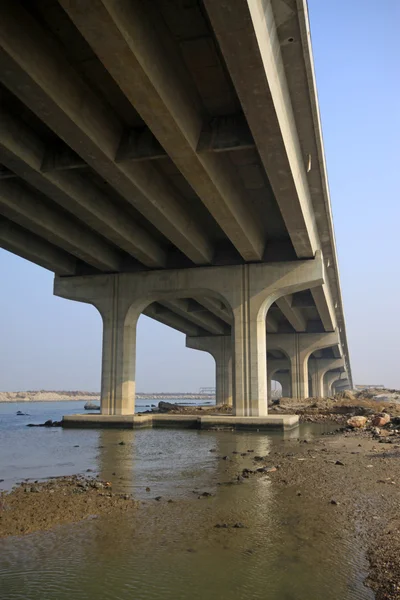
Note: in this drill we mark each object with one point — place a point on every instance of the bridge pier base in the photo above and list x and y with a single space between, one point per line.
246 290
220 348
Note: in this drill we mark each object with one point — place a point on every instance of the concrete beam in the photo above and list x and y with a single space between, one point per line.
171 319
247 35
30 211
60 158
6 173
205 320
293 315
272 324
142 58
216 307
323 302
222 134
26 154
27 245
33 66
139 144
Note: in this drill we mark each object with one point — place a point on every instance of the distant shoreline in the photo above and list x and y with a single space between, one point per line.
76 396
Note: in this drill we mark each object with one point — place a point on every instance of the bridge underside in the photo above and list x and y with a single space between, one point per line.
144 141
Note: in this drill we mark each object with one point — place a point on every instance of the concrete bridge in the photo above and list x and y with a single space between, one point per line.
166 158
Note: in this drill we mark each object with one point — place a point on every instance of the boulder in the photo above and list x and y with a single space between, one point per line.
168 407
91 406
381 420
357 422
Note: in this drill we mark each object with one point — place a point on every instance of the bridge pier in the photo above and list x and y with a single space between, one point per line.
298 347
284 380
318 367
220 348
246 290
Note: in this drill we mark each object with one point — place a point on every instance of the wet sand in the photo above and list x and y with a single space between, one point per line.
354 474
32 507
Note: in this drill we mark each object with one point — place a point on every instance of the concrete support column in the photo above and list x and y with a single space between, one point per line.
220 348
329 379
246 290
316 379
269 386
284 380
118 369
298 347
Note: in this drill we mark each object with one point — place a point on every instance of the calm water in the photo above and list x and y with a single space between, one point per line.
289 550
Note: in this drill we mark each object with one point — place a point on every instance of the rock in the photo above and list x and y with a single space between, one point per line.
238 526
357 422
205 495
158 498
121 444
221 526
34 488
169 407
334 502
147 489
91 406
381 420
22 414
258 458
338 462
225 458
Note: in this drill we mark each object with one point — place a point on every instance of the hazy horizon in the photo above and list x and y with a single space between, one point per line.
55 344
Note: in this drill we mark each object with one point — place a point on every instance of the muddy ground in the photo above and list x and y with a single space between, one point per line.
355 471
31 507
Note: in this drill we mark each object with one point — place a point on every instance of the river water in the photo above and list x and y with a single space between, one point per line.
288 550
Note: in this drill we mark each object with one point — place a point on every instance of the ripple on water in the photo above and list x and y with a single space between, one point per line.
290 548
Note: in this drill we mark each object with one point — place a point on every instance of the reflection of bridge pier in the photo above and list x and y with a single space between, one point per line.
151 179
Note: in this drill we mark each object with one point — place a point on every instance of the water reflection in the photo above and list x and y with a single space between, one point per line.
289 548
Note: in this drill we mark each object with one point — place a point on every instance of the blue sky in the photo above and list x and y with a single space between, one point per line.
51 343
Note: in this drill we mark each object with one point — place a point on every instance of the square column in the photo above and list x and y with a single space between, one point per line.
220 348
118 369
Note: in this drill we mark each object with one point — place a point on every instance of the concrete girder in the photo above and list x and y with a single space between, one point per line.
277 365
206 320
26 244
216 307
293 315
171 319
29 210
147 67
323 302
34 68
271 324
247 35
293 24
23 152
